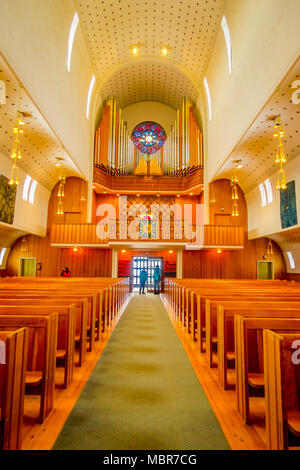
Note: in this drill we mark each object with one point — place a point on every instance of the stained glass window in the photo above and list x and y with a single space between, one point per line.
148 137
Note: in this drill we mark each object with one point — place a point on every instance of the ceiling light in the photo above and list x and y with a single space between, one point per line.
134 50
164 50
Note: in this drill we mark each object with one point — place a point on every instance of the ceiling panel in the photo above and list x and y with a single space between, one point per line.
257 147
187 27
149 81
39 145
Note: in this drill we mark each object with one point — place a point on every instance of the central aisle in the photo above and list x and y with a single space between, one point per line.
143 392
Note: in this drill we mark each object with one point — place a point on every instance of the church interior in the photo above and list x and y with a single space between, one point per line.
149 147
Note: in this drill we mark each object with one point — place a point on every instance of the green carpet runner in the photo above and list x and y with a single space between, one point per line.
143 392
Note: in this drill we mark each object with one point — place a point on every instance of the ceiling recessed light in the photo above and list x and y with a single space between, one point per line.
164 50
134 50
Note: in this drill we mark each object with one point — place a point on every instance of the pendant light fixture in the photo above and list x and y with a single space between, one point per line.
61 188
234 190
280 157
16 151
270 248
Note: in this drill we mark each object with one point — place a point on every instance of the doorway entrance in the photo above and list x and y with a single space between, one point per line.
27 267
149 263
265 270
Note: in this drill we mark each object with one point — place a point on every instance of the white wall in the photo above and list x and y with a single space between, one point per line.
34 40
31 218
149 111
265 43
265 221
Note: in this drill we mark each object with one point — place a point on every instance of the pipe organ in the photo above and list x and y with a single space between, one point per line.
183 147
114 148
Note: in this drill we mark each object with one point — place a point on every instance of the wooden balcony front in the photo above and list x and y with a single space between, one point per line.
205 236
149 184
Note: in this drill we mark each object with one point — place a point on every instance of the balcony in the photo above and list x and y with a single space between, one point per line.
149 184
117 236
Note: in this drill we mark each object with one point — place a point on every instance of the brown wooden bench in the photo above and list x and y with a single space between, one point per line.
225 327
14 346
41 357
66 326
249 353
282 388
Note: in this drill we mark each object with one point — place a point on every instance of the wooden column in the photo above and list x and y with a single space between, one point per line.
179 264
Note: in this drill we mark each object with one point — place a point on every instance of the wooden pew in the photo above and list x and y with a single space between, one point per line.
66 327
62 300
211 313
282 388
14 346
225 327
41 357
249 352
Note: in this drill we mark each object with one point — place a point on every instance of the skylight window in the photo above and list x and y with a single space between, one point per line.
2 253
207 96
71 40
269 191
291 259
89 96
228 42
263 195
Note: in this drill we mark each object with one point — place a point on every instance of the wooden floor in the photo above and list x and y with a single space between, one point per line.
240 437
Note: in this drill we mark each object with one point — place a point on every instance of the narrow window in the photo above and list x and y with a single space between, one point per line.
89 96
2 253
291 259
26 187
263 195
208 97
32 191
269 191
228 42
71 40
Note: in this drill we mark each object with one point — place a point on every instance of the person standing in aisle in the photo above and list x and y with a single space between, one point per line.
143 280
157 274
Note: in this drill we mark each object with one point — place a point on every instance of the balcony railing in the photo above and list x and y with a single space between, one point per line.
161 184
202 236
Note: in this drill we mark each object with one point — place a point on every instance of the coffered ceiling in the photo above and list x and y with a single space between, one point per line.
186 27
40 146
256 149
